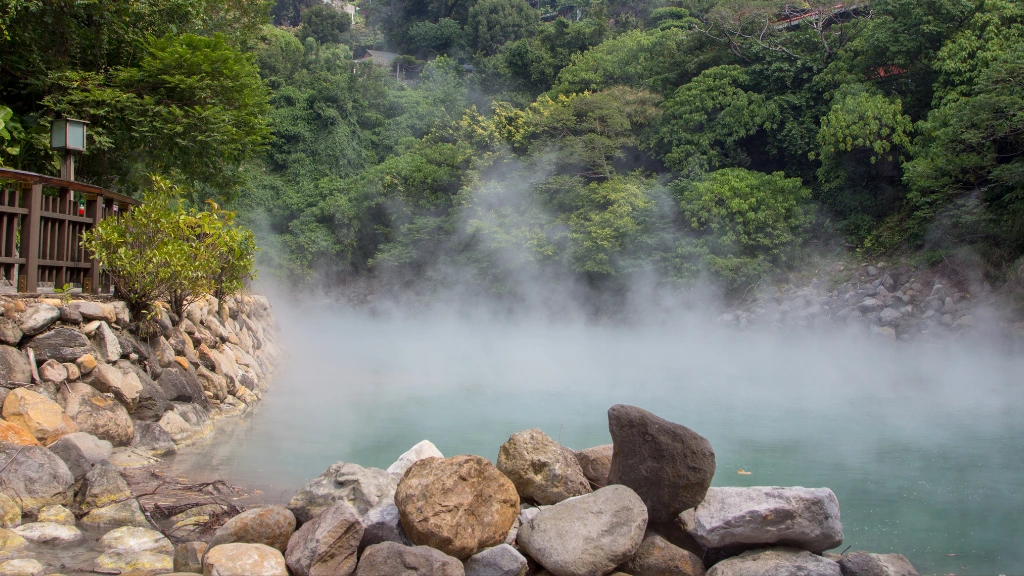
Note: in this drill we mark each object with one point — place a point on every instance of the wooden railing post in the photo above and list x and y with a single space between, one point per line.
93 209
30 237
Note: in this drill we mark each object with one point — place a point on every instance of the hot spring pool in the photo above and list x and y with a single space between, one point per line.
921 443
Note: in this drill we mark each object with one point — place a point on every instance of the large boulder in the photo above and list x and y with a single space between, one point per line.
153 440
422 449
96 413
328 544
668 465
34 476
135 539
196 421
591 534
60 344
659 557
866 564
393 559
458 505
181 385
270 525
541 469
93 310
596 462
42 417
776 562
14 367
501 560
362 488
244 560
734 517
38 317
81 451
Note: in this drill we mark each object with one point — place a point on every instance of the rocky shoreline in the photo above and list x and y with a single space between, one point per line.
886 301
88 396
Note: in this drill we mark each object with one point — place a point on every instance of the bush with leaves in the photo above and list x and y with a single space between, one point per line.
160 249
747 223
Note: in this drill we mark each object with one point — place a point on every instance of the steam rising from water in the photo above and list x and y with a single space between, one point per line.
921 443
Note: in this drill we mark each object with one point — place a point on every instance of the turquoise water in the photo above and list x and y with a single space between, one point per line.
921 444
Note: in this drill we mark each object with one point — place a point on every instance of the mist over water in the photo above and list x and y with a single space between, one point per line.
921 443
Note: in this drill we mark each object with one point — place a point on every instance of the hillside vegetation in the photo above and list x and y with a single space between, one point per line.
598 141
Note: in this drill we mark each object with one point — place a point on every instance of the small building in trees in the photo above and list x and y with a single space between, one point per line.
379 58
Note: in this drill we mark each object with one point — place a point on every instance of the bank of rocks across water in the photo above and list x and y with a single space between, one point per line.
642 506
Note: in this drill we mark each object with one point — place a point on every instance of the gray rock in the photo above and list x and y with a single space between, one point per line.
60 344
761 515
122 316
776 562
866 564
422 449
501 560
96 413
124 513
135 539
883 333
668 465
129 345
9 332
90 310
53 371
106 378
101 486
107 344
890 317
362 488
393 559
590 534
327 545
180 385
81 451
38 317
69 315
870 305
151 403
541 469
151 439
270 525
383 524
188 557
14 366
164 353
34 476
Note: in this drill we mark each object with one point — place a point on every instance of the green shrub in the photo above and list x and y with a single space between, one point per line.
159 249
748 223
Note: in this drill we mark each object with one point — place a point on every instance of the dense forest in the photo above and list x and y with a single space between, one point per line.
593 140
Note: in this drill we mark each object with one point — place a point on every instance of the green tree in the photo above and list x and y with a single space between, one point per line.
443 37
707 120
325 24
493 23
747 223
193 108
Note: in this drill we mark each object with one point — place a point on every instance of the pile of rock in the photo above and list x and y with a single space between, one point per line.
642 506
83 393
884 301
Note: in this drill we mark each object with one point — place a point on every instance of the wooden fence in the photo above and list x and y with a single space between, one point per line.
41 223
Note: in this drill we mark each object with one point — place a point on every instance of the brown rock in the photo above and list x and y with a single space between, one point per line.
659 557
541 469
14 434
53 371
74 373
181 361
393 559
328 544
458 505
86 363
668 465
244 560
595 463
270 525
42 417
